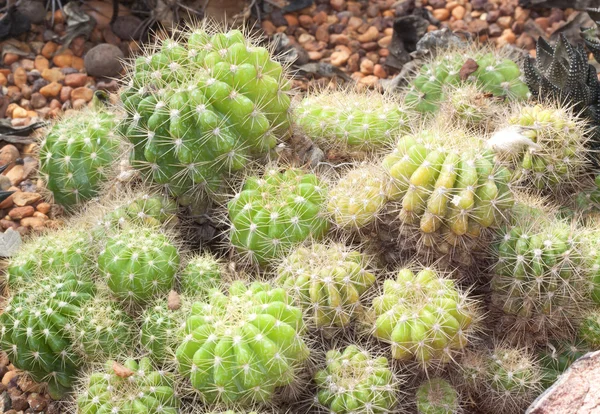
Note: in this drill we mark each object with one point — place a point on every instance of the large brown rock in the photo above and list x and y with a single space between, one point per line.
577 391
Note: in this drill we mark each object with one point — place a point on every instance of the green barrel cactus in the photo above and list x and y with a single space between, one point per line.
424 317
356 382
77 155
556 358
437 396
271 215
488 71
357 198
202 106
133 387
589 329
467 106
448 190
238 348
327 281
34 328
352 120
138 264
160 329
201 274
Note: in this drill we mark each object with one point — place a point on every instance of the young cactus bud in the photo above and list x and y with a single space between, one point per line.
201 106
327 281
271 215
238 348
131 387
77 154
356 382
357 198
161 327
138 264
437 396
589 329
201 274
424 317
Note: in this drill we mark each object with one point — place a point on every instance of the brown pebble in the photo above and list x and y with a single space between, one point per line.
82 93
369 36
79 104
340 56
53 75
38 100
304 21
18 213
322 33
268 27
10 58
8 376
64 60
19 112
23 231
8 224
441 14
20 77
52 90
19 402
8 154
369 80
291 20
16 174
379 71
8 202
65 93
34 222
43 207
22 198
3 80
76 80
37 402
467 69
41 63
49 49
459 12
366 67
338 5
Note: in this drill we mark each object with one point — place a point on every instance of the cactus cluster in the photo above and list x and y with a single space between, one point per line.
201 274
327 281
437 396
423 316
239 347
272 214
202 106
77 154
160 328
356 382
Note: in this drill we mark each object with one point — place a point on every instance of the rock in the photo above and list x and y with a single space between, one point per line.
110 37
379 71
8 376
525 41
82 93
40 215
322 33
104 60
340 56
441 14
366 66
304 20
53 75
478 26
370 35
33 222
51 90
110 86
38 85
16 174
38 100
10 58
20 77
65 93
338 5
37 402
458 12
22 199
78 104
76 80
8 155
577 390
19 402
19 213
49 49
8 224
3 80
43 207
369 81
19 112
268 27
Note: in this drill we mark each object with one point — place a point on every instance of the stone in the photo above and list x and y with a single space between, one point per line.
370 35
379 71
8 154
110 86
38 100
8 202
369 81
77 63
65 93
53 75
366 66
20 77
505 21
478 26
38 85
27 64
322 33
63 60
82 93
340 56
19 112
16 174
22 199
41 63
8 376
459 12
104 60
441 14
10 58
507 37
8 224
33 222
18 213
51 90
19 402
525 41
26 91
40 215
305 38
78 104
268 27
338 5
76 80
37 402
43 207
385 41
49 49
304 21
3 80
314 55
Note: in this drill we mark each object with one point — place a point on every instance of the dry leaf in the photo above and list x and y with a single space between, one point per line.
121 371
173 301
467 69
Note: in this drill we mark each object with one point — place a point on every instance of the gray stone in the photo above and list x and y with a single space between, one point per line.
104 60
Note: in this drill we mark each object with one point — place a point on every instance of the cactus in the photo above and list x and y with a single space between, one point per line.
489 71
347 119
271 215
589 329
201 107
545 146
587 201
34 327
327 281
77 154
134 387
469 107
357 198
437 396
240 347
557 357
160 328
356 382
423 316
201 274
448 191
139 264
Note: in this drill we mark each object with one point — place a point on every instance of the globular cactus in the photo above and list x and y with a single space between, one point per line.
437 396
539 278
133 387
469 107
544 145
448 191
327 281
160 327
587 201
102 329
423 316
354 381
77 154
557 357
138 264
240 347
589 329
351 120
201 274
201 106
34 328
270 215
489 71
357 198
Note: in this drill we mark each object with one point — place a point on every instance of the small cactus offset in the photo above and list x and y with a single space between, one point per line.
201 274
357 198
557 357
160 328
589 329
131 387
354 381
138 264
201 107
272 214
77 154
424 317
351 120
437 396
469 107
327 281
238 348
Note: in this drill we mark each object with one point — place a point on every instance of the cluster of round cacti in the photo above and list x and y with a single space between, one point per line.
271 291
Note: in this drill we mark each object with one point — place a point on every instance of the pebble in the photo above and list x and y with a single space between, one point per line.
82 93
8 154
370 35
441 14
38 100
458 12
340 56
49 49
63 60
22 199
33 222
52 75
76 80
41 63
366 66
19 213
43 207
51 90
20 77
103 60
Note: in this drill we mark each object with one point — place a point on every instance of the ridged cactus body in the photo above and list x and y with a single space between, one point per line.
557 357
589 329
201 274
327 281
138 264
354 381
437 396
77 154
423 316
133 387
240 347
160 329
272 214
201 107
